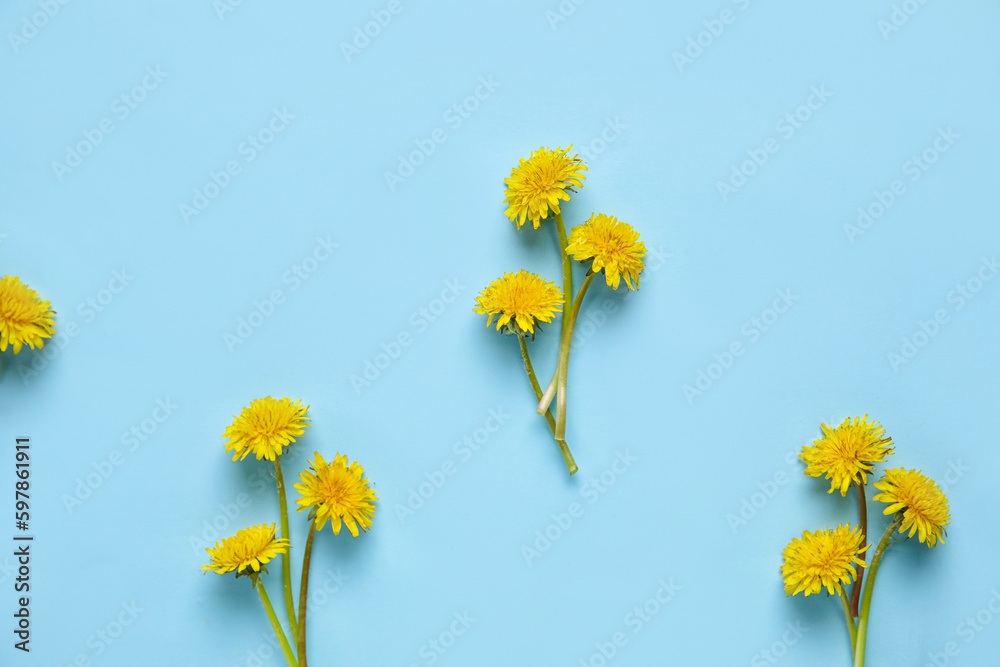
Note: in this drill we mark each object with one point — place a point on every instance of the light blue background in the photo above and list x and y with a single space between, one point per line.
162 337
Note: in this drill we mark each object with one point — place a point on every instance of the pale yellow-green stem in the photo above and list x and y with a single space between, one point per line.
563 447
275 625
286 567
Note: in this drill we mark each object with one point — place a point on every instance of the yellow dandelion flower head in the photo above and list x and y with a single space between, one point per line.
519 299
822 559
247 551
923 504
614 246
847 453
25 318
537 184
338 492
265 427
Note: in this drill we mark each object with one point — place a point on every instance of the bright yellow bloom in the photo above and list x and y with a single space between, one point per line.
265 428
822 560
537 184
847 453
249 548
614 246
338 492
519 299
923 504
24 316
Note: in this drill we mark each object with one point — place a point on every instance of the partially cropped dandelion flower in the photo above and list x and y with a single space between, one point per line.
614 246
822 559
265 428
519 299
249 549
338 492
536 185
25 318
923 504
847 453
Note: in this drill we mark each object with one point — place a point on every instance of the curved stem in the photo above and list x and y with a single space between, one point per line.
567 267
563 447
866 601
863 523
304 592
275 625
286 566
558 383
852 627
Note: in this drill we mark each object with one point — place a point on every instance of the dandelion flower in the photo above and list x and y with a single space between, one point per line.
250 549
845 454
923 504
519 299
25 318
265 428
537 184
338 492
614 246
822 559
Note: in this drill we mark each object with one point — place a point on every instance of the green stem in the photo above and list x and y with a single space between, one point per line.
567 267
863 523
304 592
563 447
286 566
558 383
852 627
866 601
275 625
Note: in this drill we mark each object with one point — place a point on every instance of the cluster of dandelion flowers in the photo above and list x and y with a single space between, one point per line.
265 428
338 492
247 551
519 300
923 505
614 247
25 318
536 186
822 559
847 453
